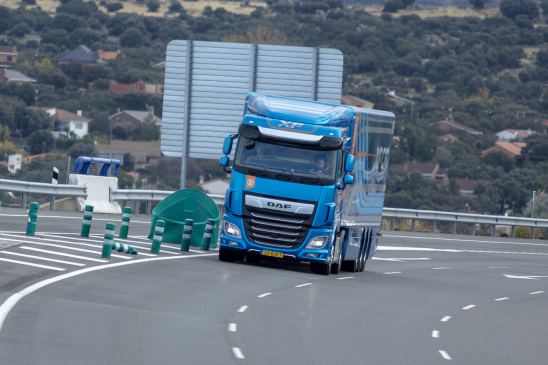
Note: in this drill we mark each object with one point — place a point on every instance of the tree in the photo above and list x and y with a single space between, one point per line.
512 8
40 141
114 7
478 4
132 37
81 149
153 5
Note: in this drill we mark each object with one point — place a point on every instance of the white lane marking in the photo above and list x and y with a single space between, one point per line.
501 299
232 327
445 319
32 264
537 292
445 355
392 272
9 303
441 268
42 258
499 267
238 353
467 240
346 278
406 248
526 277
263 295
61 254
302 285
401 259
101 242
63 247
242 309
163 249
469 306
70 217
435 334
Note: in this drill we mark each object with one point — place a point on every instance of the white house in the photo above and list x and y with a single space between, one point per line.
68 124
510 135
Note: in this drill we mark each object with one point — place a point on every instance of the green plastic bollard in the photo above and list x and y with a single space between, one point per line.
33 216
108 240
122 247
124 228
206 240
187 234
86 221
158 236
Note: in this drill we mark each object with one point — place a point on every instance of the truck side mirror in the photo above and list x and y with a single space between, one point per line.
349 163
224 161
227 145
348 179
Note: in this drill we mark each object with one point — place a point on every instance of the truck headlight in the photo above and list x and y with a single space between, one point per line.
317 242
232 230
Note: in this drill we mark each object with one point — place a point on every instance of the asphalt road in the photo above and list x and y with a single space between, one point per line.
425 299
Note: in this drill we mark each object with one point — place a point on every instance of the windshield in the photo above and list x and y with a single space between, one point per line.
284 161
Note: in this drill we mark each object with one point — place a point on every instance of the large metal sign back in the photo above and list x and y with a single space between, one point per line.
206 84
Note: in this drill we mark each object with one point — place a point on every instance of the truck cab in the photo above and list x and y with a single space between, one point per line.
293 166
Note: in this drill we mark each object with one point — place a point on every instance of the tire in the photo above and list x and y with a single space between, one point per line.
350 265
336 265
320 268
228 255
363 261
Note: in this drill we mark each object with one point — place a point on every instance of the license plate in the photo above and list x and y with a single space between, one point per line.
278 255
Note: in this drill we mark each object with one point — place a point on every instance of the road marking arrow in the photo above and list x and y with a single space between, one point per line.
527 277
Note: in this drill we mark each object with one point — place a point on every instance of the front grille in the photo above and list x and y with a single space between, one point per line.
273 228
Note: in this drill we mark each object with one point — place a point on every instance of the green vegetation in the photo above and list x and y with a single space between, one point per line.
492 73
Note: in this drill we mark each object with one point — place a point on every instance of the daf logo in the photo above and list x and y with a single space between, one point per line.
290 125
278 205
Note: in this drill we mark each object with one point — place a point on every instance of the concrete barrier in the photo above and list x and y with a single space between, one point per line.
98 190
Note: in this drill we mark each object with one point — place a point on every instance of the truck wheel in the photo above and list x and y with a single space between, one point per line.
362 264
350 265
228 255
320 268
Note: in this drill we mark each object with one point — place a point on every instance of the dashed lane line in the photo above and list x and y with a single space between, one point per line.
264 295
238 353
445 355
346 278
242 309
435 334
392 272
302 285
9 304
49 252
42 258
232 327
441 268
537 292
469 306
501 299
445 319
26 263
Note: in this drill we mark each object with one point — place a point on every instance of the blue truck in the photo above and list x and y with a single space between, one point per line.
307 183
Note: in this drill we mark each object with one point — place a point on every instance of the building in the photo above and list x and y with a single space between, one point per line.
398 100
14 163
9 76
449 138
138 87
134 117
467 187
80 55
449 125
107 55
512 149
428 170
8 56
65 123
510 135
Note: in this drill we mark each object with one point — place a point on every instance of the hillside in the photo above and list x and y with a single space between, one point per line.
477 75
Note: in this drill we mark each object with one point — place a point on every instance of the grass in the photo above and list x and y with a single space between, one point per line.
131 6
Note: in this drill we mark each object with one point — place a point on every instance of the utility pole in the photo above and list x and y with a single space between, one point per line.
534 200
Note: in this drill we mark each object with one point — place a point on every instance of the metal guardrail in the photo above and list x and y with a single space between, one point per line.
463 217
392 214
30 187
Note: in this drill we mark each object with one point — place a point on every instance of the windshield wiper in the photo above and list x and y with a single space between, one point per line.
307 177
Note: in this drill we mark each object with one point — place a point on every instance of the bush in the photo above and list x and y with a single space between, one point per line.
40 141
153 5
113 7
